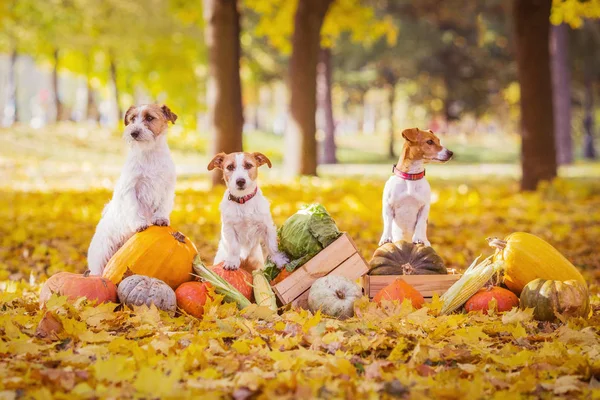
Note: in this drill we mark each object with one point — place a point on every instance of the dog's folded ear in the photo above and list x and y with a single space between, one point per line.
169 115
126 118
217 162
261 159
412 134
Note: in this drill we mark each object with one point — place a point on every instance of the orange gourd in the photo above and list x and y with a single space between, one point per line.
281 276
239 279
505 300
400 290
74 286
192 296
159 252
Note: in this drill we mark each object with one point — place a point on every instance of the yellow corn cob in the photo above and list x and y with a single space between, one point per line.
263 294
473 279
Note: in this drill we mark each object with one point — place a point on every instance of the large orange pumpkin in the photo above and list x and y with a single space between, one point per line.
239 279
159 252
192 296
74 286
505 300
400 290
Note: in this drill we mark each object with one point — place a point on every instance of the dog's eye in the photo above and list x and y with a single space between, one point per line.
248 166
149 118
430 142
230 167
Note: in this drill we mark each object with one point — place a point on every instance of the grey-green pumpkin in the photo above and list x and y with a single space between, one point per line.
405 258
547 298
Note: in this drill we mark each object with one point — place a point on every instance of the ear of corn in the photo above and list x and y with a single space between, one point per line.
263 294
221 285
473 279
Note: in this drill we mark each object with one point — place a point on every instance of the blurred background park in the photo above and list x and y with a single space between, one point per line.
321 86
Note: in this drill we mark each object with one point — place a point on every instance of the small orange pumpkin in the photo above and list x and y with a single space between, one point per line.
400 290
192 296
505 300
281 276
74 286
239 279
159 252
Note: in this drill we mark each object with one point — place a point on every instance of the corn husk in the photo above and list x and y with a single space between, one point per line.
221 286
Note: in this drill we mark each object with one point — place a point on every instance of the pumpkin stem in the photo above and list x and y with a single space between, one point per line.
87 273
179 236
497 243
340 294
407 269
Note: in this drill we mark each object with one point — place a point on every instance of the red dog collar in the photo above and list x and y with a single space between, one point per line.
406 176
244 199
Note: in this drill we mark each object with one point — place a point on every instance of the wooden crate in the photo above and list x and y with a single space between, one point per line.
339 258
427 285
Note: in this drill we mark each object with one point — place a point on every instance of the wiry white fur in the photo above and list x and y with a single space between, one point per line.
406 205
143 195
246 228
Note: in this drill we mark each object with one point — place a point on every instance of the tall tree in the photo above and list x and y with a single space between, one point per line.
538 151
326 106
58 105
306 39
12 107
561 91
222 35
589 150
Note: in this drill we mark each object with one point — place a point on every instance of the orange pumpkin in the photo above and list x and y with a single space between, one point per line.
159 252
191 297
400 290
505 300
281 276
239 279
74 286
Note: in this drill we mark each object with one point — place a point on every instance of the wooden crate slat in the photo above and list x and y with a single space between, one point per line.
320 265
427 285
353 268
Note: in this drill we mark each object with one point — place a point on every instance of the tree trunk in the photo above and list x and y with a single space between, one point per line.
589 150
57 103
222 35
11 109
301 143
538 151
561 91
326 105
113 78
391 101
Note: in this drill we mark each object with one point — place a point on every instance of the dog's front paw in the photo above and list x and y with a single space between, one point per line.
160 222
385 239
232 264
420 240
280 259
141 228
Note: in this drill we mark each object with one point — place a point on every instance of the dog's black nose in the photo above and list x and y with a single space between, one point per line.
135 134
450 153
241 182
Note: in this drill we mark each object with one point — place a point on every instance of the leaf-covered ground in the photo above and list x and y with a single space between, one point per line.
110 352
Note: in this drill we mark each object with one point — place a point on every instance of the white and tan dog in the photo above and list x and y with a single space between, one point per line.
246 222
407 194
145 191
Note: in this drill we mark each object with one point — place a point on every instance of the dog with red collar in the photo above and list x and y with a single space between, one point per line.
407 194
246 222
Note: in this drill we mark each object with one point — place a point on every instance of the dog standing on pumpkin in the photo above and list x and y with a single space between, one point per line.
246 222
145 191
407 194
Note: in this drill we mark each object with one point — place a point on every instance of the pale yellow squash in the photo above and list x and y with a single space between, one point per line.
159 252
527 257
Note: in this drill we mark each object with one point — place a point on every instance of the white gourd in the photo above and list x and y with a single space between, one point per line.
137 290
334 295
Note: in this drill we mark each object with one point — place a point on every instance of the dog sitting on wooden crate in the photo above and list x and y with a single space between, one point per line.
407 194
